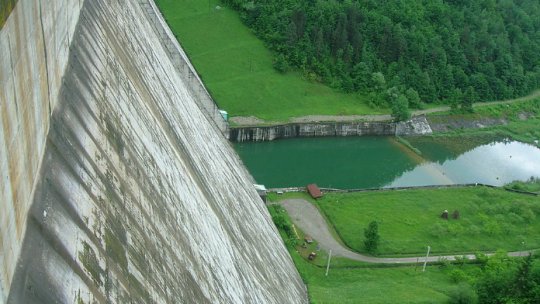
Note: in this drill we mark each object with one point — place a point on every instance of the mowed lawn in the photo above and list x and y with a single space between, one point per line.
409 220
237 68
356 282
375 285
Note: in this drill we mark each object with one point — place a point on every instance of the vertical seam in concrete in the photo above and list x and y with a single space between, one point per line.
13 75
46 58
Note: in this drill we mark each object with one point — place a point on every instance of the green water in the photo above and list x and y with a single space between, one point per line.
372 162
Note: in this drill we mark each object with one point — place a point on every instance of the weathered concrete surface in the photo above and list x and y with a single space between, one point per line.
417 125
139 197
34 44
241 134
182 64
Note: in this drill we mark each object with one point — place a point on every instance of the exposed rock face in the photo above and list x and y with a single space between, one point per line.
139 197
417 125
449 123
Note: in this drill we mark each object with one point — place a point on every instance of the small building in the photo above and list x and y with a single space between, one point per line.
224 114
314 191
261 190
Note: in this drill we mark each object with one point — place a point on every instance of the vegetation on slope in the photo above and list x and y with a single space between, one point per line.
237 68
489 219
497 279
444 50
355 282
6 6
522 121
532 185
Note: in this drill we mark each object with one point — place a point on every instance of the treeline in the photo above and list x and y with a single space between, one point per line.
500 279
458 51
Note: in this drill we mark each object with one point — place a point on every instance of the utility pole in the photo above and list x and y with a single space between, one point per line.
328 264
425 262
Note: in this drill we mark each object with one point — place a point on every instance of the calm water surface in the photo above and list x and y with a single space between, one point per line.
369 162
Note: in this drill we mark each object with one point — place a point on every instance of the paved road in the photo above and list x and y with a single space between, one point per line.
307 217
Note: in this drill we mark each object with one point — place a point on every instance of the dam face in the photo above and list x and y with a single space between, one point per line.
117 186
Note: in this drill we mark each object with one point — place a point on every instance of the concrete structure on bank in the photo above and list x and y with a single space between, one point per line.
416 126
117 184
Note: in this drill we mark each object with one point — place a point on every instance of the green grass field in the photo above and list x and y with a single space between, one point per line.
375 285
409 220
237 67
357 282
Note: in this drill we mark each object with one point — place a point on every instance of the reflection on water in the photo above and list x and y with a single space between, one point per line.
370 162
497 163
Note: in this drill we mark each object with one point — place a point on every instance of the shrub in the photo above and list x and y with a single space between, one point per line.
371 234
458 276
463 294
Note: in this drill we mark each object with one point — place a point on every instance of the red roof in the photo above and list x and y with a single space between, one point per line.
314 191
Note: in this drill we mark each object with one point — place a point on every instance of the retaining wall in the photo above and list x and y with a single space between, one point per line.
416 126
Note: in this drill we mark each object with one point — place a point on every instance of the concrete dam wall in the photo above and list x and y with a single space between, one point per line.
117 185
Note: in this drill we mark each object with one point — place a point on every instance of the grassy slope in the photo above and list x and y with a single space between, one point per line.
237 68
516 128
356 282
532 185
374 285
409 220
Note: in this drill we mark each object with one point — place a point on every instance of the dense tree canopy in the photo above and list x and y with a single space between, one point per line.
452 50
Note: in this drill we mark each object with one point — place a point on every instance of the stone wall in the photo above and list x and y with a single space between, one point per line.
139 197
416 126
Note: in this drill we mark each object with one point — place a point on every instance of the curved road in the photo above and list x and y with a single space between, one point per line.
307 217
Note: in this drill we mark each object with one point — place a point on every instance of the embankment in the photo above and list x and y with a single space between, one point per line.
117 186
416 126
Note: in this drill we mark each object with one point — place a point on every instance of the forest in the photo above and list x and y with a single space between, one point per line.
405 53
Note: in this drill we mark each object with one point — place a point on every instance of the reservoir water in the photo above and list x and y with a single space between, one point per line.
372 162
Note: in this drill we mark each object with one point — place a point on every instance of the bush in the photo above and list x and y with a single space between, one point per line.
481 258
280 64
461 260
463 294
458 276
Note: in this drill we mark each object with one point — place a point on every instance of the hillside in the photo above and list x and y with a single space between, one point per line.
455 51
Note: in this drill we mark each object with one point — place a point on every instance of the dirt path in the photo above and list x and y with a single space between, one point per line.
307 217
253 121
